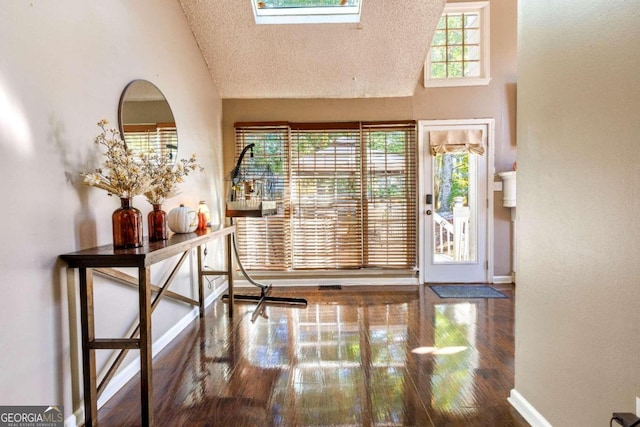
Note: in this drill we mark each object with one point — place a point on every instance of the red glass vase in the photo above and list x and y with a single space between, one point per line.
126 222
157 222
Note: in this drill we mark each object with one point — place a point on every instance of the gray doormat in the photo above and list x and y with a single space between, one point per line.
466 291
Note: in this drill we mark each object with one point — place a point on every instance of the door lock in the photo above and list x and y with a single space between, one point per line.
428 212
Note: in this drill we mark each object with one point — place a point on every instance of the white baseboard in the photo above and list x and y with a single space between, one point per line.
528 412
327 281
72 421
502 279
132 369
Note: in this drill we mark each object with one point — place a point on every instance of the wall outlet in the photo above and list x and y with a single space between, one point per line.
637 406
497 185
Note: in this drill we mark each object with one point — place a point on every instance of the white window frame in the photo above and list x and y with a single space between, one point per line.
307 15
482 8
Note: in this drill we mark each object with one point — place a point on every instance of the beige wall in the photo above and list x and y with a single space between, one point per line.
498 101
494 101
577 317
64 65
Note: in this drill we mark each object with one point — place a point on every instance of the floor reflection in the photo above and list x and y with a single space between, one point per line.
390 357
454 360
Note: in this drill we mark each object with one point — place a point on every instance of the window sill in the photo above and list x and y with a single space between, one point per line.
457 82
333 274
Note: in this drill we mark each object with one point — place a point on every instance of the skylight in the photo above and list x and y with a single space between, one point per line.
306 11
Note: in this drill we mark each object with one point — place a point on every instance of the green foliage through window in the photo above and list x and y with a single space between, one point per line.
459 51
451 180
455 46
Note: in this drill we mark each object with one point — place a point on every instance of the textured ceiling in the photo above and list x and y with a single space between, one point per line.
382 56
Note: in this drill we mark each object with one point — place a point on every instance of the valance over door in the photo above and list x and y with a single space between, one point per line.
456 141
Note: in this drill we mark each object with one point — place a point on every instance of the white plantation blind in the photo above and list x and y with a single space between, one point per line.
264 243
390 202
326 196
348 198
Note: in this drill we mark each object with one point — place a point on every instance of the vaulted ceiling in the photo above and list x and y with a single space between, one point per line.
382 56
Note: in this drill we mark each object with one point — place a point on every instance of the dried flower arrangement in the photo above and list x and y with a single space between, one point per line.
123 174
127 174
165 176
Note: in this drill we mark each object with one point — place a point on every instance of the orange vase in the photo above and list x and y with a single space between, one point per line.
202 221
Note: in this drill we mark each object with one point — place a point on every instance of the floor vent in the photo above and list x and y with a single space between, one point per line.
330 287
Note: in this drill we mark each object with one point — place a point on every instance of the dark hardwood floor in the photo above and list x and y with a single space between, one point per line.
377 356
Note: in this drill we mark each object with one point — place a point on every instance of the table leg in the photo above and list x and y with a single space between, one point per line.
88 354
146 383
230 271
200 281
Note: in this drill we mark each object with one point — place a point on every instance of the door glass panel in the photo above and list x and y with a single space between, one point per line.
454 208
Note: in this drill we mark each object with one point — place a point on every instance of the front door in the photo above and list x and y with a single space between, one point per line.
455 201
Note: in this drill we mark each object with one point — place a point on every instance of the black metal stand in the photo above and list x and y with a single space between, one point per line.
264 298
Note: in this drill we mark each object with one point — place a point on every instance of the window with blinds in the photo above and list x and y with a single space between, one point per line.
391 186
264 243
348 196
326 196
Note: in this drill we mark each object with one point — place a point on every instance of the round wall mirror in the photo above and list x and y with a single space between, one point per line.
146 120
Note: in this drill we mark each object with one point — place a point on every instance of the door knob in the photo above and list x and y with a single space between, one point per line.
428 211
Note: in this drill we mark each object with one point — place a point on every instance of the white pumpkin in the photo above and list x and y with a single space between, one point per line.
182 219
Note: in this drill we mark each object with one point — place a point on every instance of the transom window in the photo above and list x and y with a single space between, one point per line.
306 11
459 54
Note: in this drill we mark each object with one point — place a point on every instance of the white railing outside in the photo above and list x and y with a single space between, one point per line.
443 237
451 240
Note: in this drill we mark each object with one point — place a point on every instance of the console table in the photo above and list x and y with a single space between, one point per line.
103 260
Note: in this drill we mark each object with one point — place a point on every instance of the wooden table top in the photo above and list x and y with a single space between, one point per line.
147 254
